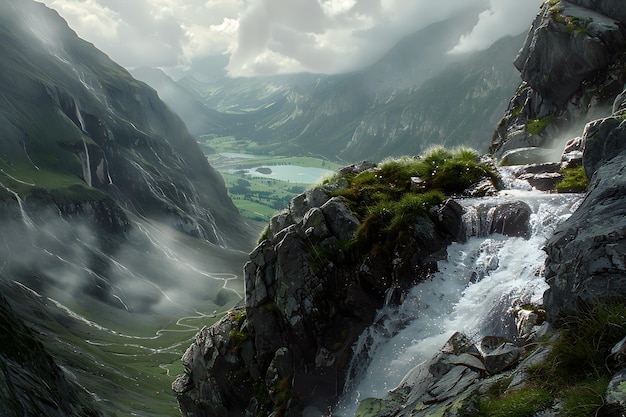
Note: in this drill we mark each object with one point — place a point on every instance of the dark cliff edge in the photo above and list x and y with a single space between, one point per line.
284 350
573 66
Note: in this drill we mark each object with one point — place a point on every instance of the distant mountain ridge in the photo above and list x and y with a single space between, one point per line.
416 96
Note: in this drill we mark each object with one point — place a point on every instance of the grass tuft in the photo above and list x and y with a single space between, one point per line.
574 180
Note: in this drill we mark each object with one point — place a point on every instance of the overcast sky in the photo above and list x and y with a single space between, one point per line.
275 36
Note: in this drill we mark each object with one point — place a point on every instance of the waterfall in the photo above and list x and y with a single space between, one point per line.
86 160
479 281
87 164
25 217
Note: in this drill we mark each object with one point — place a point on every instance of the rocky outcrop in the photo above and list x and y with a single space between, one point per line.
587 254
445 383
572 69
309 294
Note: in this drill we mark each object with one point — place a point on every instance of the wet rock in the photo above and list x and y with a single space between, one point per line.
543 182
449 217
526 155
512 219
469 361
572 155
501 358
452 383
604 139
586 261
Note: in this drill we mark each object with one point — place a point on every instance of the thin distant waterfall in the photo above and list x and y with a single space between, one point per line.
86 160
25 217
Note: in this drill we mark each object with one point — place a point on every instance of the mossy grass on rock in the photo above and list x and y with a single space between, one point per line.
390 196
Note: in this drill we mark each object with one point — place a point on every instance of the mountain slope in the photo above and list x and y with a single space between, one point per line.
66 108
118 238
414 97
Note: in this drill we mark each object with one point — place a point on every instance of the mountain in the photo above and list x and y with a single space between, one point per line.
408 101
198 118
118 238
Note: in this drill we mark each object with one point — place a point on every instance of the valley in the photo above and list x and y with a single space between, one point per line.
184 246
260 185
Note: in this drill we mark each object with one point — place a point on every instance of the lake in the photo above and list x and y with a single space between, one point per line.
289 173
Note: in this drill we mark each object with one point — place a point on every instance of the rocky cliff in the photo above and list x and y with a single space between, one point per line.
308 293
573 69
313 284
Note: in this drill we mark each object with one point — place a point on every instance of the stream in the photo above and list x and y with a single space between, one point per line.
476 285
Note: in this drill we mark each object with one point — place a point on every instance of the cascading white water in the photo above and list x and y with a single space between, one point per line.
87 166
86 160
480 279
25 217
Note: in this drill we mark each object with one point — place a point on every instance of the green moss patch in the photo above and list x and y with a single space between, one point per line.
574 180
389 198
537 126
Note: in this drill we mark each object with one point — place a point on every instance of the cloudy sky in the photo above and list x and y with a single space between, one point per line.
275 36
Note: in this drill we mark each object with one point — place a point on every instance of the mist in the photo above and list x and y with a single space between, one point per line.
264 37
151 269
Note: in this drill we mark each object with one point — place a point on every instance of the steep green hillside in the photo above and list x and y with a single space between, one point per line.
118 241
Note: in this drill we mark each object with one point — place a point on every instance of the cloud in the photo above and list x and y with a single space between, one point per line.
504 17
276 36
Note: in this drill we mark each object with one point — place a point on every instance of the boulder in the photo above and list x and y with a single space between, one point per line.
586 261
546 181
556 59
501 358
512 219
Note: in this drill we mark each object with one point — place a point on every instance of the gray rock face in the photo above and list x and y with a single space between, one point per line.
512 219
569 44
439 385
587 255
566 45
308 298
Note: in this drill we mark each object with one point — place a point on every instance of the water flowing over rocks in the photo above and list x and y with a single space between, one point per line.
307 301
313 309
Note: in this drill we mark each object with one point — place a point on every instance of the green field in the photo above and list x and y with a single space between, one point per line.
258 198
